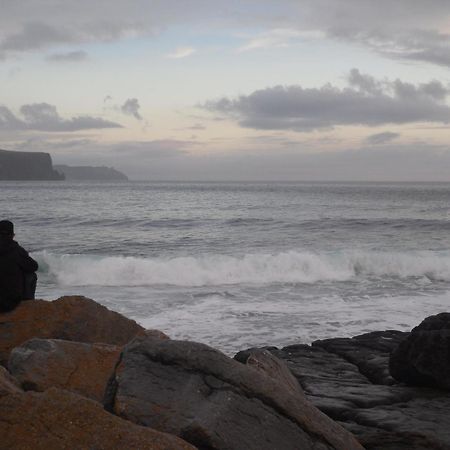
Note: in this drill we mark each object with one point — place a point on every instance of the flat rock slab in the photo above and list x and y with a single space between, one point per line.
348 379
69 318
78 367
214 402
61 420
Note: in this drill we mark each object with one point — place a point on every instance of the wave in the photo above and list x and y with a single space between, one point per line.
216 270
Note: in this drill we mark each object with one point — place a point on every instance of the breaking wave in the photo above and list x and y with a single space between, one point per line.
214 270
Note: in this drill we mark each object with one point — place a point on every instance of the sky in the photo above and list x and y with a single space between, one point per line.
294 90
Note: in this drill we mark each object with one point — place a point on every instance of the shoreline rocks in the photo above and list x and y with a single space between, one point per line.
384 390
348 379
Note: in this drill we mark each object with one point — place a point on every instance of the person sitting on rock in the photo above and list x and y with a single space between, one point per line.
17 270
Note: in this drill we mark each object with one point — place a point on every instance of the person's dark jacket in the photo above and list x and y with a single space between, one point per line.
15 263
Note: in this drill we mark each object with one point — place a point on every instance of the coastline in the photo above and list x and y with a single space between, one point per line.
341 384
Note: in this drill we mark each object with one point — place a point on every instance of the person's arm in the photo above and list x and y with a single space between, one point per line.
26 262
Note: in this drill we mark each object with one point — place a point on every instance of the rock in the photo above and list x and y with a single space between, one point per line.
270 365
60 420
144 334
78 367
8 384
69 318
423 358
214 402
341 378
369 352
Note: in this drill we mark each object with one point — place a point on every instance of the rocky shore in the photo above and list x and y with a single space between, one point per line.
75 375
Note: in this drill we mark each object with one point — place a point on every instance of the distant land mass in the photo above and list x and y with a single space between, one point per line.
91 173
27 166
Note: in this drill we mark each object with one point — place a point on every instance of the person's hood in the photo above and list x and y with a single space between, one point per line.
7 245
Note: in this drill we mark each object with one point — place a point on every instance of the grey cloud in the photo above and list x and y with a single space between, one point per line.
131 108
364 82
43 144
160 148
45 117
35 35
405 29
382 138
415 44
365 102
198 127
30 25
75 56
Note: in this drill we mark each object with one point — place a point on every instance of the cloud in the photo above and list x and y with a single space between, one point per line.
406 29
281 37
366 101
430 46
75 56
160 148
34 35
45 117
181 52
382 138
131 108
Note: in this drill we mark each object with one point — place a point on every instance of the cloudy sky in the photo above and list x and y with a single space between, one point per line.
248 89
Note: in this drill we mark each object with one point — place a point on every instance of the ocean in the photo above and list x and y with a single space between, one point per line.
236 265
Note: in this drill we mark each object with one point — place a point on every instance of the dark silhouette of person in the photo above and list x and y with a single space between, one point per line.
17 270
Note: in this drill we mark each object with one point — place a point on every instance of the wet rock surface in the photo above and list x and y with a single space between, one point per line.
214 402
58 419
8 384
349 380
69 318
423 358
78 367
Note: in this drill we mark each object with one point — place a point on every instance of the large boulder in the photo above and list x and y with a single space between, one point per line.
82 368
70 318
59 419
215 402
423 358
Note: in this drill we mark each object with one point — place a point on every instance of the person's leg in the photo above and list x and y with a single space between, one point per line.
30 286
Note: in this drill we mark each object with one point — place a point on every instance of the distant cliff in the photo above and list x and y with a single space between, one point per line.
91 173
27 166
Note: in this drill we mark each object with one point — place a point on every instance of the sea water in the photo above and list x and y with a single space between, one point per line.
235 265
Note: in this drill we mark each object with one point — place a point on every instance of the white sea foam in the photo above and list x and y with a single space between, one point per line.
211 270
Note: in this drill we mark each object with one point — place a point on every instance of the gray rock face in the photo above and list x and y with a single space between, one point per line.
214 402
348 379
423 359
27 166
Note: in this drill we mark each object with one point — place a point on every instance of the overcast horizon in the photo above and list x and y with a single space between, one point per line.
248 90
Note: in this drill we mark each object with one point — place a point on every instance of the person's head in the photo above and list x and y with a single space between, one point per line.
6 229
